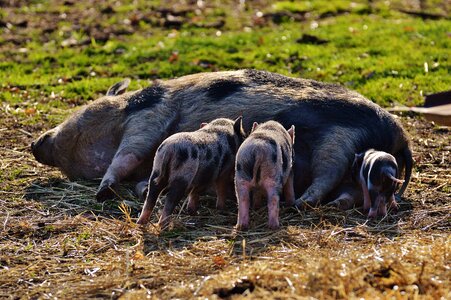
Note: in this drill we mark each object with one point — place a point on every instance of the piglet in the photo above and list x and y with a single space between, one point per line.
190 162
377 172
264 162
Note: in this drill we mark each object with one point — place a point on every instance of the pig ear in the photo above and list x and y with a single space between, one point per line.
118 88
203 124
254 126
238 126
291 133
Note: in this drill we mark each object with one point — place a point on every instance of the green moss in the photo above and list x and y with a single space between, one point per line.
381 54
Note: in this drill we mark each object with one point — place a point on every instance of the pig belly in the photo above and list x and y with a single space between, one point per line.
94 161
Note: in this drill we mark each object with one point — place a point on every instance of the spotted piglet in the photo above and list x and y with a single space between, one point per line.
377 172
192 162
264 163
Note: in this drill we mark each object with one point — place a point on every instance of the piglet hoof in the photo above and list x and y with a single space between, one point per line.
242 227
290 203
142 220
192 208
394 207
192 211
105 193
221 208
273 225
372 214
141 190
164 222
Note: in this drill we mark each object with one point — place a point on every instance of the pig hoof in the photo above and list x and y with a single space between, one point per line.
341 204
105 193
305 205
335 204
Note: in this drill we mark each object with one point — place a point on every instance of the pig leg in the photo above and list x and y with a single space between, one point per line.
343 202
325 179
122 165
176 191
139 141
330 162
347 196
153 191
273 206
243 196
288 191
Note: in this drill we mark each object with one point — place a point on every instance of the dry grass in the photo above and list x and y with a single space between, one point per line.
56 241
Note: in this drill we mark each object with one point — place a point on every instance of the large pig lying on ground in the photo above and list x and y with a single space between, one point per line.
116 136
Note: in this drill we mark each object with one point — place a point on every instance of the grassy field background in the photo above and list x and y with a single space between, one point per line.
57 241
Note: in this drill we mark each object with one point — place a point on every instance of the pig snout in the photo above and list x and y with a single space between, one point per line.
42 150
379 208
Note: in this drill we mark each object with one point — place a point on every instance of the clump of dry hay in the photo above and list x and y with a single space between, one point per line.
57 241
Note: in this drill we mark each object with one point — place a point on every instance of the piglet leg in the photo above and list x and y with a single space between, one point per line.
288 191
382 209
122 165
366 197
375 203
176 191
242 193
273 207
193 202
393 205
221 192
153 191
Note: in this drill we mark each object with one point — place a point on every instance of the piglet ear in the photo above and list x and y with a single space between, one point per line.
394 179
254 126
358 157
238 126
291 133
356 165
203 124
118 88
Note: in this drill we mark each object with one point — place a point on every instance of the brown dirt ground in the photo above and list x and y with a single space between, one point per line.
56 241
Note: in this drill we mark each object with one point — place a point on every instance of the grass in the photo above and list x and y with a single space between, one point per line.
57 241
